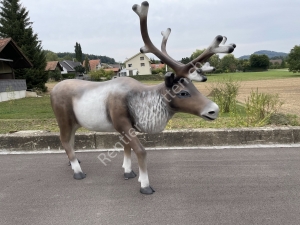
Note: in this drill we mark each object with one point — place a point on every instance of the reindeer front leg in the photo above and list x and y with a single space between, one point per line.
118 112
142 161
141 154
124 127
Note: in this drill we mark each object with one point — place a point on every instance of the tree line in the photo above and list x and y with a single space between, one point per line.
231 64
60 56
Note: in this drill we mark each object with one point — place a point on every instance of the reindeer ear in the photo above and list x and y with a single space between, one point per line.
169 79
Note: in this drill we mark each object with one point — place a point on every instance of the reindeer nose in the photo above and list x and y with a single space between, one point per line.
210 112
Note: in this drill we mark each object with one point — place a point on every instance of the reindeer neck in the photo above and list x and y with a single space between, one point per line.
150 109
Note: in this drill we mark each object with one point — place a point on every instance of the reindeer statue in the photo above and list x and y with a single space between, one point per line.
127 106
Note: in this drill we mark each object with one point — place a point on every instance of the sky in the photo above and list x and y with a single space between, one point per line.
111 28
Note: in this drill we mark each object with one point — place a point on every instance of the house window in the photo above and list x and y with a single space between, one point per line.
142 64
142 58
129 65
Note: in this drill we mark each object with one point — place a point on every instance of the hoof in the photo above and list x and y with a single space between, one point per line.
70 162
147 190
129 175
79 176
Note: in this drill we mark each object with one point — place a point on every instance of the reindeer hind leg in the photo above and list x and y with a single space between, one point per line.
67 137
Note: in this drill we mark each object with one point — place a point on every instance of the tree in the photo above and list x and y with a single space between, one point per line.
196 53
283 64
260 62
229 63
293 59
154 61
215 61
15 23
243 65
51 56
87 64
67 57
80 69
78 52
185 60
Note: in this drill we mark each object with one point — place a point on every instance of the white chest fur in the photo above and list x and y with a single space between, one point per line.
149 111
90 109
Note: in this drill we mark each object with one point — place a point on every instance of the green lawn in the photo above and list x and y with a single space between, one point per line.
36 113
27 108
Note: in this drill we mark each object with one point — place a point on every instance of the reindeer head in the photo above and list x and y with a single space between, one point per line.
183 95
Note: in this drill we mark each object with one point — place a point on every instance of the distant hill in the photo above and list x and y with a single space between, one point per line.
270 54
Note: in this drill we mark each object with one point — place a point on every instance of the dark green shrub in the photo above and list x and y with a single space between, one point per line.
55 75
68 75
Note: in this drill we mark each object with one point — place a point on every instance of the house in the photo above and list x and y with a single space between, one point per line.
139 64
69 67
157 66
115 70
11 57
53 66
94 64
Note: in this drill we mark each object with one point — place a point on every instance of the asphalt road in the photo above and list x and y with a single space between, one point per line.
229 186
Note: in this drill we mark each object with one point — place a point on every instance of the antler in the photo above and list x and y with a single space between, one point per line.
142 12
182 70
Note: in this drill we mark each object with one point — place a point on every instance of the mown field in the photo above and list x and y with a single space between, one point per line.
36 113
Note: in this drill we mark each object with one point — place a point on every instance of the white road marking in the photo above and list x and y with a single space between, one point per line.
6 152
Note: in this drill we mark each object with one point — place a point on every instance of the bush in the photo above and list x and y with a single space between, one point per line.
224 94
283 119
55 75
159 70
101 75
68 75
261 106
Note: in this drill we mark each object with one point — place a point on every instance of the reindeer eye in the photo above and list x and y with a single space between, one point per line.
183 94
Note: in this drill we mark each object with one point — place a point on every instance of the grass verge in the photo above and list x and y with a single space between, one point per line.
37 114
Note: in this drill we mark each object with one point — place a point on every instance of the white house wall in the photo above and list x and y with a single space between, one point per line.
64 71
136 63
11 95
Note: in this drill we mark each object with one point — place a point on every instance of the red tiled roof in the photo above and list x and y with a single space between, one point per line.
157 66
3 43
51 65
93 63
113 69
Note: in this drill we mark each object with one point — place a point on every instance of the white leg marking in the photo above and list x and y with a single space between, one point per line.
75 166
143 178
127 164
